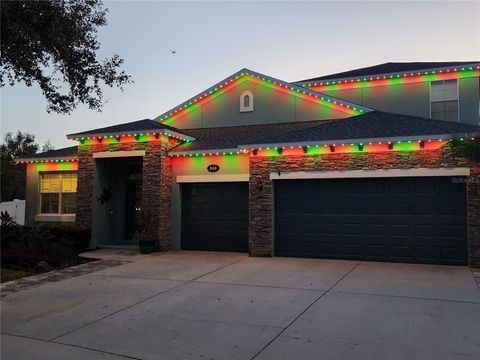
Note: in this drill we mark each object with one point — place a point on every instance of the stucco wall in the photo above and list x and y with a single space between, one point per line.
413 99
270 106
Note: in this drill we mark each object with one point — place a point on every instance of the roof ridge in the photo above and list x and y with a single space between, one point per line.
383 69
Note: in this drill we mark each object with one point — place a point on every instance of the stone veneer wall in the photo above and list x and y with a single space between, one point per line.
261 187
156 184
473 208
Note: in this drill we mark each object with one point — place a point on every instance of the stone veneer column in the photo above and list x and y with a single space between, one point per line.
165 203
260 227
473 208
86 170
156 190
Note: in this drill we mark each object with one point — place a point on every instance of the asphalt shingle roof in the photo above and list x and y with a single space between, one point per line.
67 152
232 136
134 126
390 67
372 125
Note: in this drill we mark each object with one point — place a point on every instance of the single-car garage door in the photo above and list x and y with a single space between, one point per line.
215 216
410 219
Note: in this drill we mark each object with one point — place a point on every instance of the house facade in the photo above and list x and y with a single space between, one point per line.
346 166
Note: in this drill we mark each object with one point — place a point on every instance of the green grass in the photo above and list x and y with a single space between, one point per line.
9 275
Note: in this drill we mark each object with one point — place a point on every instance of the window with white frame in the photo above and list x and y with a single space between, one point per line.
58 192
246 101
444 100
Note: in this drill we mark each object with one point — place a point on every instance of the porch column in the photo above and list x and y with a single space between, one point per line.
156 191
86 173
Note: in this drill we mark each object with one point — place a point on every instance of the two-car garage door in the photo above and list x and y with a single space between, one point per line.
403 219
410 219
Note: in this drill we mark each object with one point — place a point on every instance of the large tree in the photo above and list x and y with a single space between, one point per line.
54 44
13 176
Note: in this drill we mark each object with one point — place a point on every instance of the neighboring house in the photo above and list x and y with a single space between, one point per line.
342 168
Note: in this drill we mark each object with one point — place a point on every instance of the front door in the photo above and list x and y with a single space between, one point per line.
133 198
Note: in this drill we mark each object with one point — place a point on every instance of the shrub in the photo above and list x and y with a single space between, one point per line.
467 148
79 235
25 246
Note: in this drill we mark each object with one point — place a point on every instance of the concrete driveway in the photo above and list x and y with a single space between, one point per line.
196 305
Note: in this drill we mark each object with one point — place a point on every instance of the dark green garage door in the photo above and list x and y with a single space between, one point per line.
215 216
421 220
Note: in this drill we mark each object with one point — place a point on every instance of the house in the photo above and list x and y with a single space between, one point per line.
346 166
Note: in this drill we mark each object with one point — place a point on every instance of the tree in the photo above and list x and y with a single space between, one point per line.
13 177
47 146
466 148
54 44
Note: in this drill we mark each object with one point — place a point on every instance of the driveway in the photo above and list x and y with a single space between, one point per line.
197 305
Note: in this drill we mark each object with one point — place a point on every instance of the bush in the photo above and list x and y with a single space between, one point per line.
25 246
79 235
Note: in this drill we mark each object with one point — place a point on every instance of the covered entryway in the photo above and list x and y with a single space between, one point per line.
215 216
407 219
116 199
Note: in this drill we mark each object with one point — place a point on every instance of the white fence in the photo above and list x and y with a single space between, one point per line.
16 209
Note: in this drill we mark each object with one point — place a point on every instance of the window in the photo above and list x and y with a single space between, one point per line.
58 192
246 101
444 100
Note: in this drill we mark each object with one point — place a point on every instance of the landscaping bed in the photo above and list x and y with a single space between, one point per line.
29 250
7 275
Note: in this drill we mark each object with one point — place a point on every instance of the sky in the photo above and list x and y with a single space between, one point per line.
287 40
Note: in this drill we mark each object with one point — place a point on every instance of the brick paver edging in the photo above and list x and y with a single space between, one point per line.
57 275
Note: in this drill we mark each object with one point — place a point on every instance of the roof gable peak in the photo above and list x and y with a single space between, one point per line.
245 73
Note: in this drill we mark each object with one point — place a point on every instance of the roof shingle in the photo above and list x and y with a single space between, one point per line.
372 125
134 126
67 152
389 67
230 137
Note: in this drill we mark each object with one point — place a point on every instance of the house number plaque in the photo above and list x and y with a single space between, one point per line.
213 168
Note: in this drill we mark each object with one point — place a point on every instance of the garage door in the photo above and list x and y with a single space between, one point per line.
215 216
421 220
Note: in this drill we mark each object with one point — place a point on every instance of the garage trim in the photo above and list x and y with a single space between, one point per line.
212 178
339 174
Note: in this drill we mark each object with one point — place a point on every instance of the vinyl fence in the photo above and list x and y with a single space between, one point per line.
16 209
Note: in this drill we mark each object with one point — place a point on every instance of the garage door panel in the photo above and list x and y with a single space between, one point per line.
215 216
398 207
392 219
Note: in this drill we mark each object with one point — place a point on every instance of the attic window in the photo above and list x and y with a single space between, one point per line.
246 101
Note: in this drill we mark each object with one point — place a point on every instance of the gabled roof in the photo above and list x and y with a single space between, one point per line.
372 126
139 126
391 68
244 73
63 153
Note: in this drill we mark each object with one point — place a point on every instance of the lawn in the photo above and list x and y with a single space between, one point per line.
9 274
